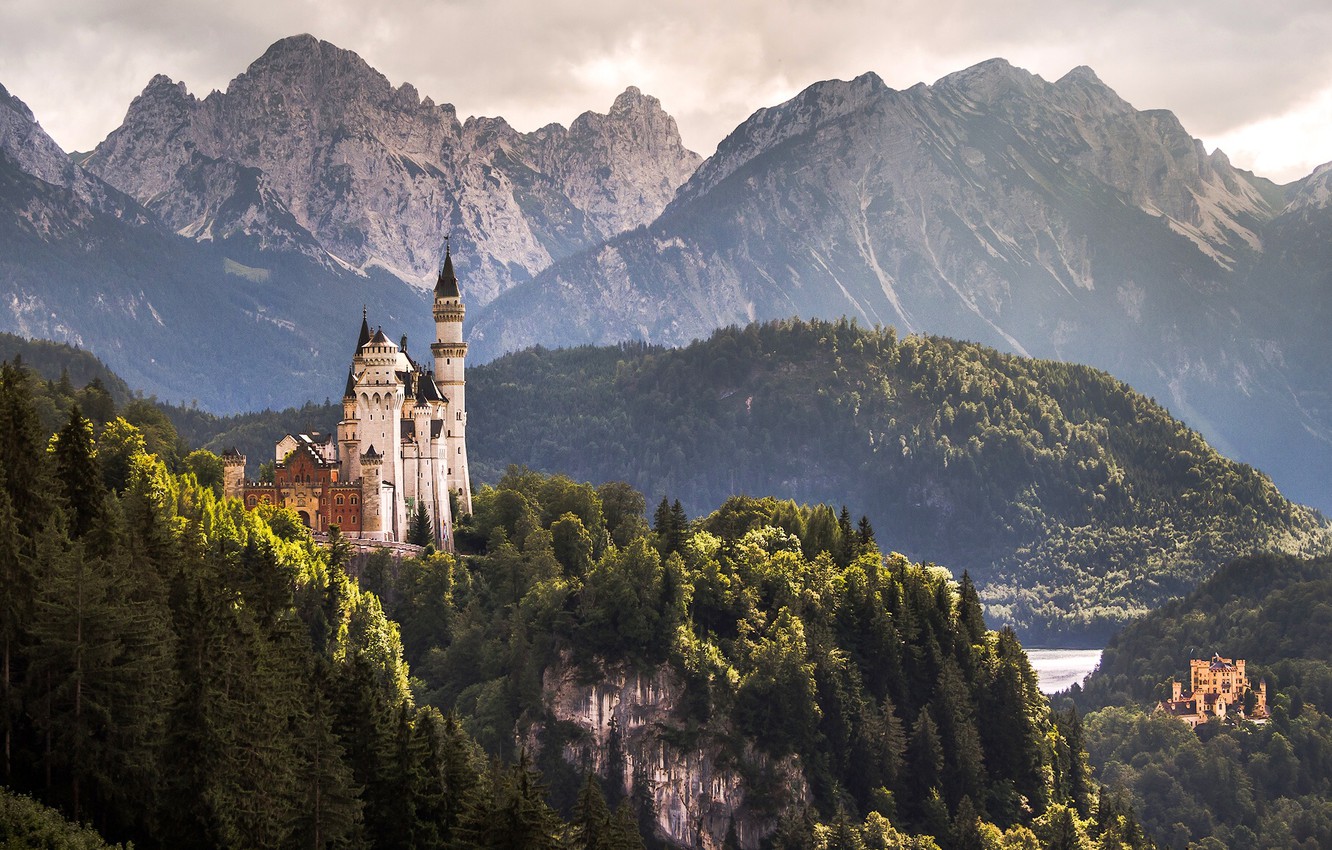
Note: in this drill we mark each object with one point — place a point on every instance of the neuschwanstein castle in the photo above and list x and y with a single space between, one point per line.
402 440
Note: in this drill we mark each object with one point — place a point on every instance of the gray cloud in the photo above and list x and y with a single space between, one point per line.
1221 66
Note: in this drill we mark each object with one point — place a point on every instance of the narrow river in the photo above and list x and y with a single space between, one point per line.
1057 669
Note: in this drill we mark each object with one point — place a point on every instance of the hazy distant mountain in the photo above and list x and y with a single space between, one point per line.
312 148
1050 219
231 325
226 254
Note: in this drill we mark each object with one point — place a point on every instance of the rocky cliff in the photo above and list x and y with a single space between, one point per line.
697 781
377 176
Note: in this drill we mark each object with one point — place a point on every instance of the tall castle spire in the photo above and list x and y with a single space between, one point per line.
447 284
450 353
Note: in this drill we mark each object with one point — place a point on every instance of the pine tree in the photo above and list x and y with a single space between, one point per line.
925 758
22 465
16 593
964 764
92 657
970 615
590 820
623 829
865 541
78 476
516 816
330 811
421 533
679 526
846 541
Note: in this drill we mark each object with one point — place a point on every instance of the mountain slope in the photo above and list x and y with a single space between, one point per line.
1074 502
375 176
234 324
1051 219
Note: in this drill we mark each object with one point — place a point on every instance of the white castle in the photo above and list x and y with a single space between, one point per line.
402 441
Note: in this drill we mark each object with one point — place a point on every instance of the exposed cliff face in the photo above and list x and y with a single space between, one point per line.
699 791
378 176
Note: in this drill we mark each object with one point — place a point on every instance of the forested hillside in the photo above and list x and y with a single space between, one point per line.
1238 785
1075 502
856 700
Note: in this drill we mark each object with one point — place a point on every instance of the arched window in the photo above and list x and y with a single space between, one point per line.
339 502
250 500
460 416
354 500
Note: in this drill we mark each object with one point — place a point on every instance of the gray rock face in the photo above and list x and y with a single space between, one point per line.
377 176
27 146
699 792
1046 218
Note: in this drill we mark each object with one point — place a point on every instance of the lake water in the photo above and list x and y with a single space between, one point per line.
1059 668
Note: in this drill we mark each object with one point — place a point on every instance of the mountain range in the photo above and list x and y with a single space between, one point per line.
1045 218
217 249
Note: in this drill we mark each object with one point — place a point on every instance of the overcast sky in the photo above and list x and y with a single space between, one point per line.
1253 78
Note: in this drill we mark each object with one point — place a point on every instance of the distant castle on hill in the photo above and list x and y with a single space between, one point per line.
1218 689
401 444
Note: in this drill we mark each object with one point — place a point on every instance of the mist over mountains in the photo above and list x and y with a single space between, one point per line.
1044 218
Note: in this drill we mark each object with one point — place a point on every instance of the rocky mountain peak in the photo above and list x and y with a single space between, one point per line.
8 101
989 81
1313 192
767 128
377 175
631 99
24 142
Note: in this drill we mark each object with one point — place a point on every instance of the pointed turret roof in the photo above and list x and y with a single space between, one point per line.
365 330
379 338
351 384
447 285
426 387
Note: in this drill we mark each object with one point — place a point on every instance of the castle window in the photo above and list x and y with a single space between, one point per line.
354 500
460 450
250 500
339 500
460 416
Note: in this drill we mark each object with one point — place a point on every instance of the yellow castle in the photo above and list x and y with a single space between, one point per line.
1217 690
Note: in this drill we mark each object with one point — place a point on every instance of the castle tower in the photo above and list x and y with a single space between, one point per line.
450 352
372 515
233 474
349 441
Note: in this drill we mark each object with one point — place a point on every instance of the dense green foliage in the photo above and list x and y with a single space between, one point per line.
1075 502
793 640
1275 611
1245 786
26 824
1259 787
180 672
284 712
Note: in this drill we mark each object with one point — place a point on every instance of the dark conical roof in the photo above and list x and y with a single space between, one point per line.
365 331
350 392
379 338
447 285
427 390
